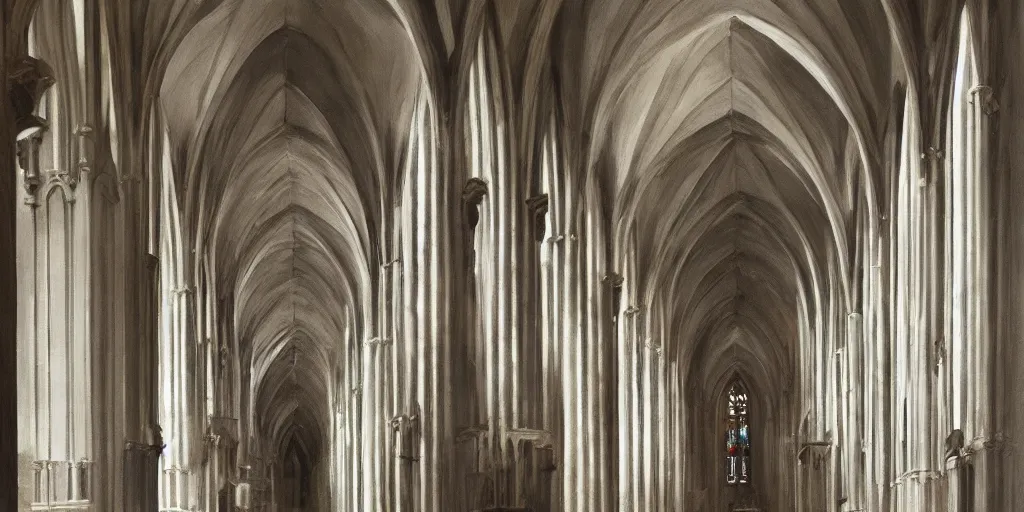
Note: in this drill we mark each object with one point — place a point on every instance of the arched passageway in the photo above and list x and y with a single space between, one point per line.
535 255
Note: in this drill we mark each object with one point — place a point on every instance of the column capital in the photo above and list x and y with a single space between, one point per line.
405 422
557 239
984 95
183 290
654 347
998 443
613 280
932 154
813 452
916 474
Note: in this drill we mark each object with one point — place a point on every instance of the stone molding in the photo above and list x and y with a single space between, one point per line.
920 475
377 341
135 446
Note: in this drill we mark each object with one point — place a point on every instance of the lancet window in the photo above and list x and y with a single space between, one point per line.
737 436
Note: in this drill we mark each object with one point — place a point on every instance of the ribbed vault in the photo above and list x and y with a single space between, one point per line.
735 143
289 119
731 160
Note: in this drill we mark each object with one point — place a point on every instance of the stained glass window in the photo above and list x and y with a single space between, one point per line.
737 436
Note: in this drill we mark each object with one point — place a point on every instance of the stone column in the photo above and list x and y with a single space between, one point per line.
406 436
882 375
920 481
628 348
212 469
613 282
985 463
140 483
854 429
532 375
28 433
426 268
814 459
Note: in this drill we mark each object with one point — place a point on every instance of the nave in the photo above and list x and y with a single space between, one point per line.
497 255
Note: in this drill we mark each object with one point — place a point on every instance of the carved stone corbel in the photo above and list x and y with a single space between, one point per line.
29 80
984 94
538 206
954 444
814 453
614 281
407 430
472 194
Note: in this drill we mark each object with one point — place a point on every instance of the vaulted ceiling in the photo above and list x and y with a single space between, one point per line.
734 139
288 119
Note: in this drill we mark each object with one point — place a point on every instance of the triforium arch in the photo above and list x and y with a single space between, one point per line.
441 255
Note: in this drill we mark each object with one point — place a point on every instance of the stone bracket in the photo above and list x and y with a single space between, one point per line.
984 94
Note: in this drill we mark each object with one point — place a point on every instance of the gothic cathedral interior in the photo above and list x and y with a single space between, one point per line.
512 255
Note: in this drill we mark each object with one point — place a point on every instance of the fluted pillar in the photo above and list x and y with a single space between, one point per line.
628 347
986 442
920 278
854 427
426 268
881 425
